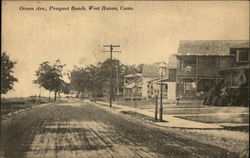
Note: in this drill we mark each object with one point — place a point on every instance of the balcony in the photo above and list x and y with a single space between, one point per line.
186 71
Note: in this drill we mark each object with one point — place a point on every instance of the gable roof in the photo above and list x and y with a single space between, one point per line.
207 47
244 45
135 83
130 85
133 75
154 80
150 70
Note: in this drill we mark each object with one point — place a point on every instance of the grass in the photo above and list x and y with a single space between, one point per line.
9 105
138 115
206 110
226 118
135 103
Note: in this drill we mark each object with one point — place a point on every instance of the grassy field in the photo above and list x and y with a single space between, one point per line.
9 105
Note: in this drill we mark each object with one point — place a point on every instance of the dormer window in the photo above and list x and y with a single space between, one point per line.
242 55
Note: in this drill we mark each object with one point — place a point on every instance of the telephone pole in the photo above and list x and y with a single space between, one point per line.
111 70
117 81
161 107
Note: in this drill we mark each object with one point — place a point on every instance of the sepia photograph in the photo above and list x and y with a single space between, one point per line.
125 79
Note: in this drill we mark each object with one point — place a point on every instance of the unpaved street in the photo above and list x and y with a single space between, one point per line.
71 128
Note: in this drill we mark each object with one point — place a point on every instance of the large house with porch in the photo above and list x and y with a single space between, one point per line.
200 62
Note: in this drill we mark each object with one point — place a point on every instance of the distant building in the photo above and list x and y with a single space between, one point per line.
151 74
145 85
132 89
199 64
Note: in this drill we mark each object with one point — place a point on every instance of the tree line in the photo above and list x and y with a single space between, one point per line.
91 79
95 79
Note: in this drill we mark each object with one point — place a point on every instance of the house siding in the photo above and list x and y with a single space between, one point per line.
145 86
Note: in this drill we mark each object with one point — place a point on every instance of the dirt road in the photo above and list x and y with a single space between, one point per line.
71 128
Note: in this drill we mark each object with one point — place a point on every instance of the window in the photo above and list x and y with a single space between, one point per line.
190 86
188 69
242 55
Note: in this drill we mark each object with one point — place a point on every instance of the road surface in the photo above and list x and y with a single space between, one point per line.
73 128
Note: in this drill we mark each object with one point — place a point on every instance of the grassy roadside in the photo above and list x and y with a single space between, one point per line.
10 105
232 118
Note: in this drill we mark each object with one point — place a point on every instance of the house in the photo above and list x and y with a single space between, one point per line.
241 53
199 64
237 74
132 89
131 77
171 78
143 86
168 81
154 88
236 78
151 74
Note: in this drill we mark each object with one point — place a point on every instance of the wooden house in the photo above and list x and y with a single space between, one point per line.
199 64
154 87
132 89
143 86
238 73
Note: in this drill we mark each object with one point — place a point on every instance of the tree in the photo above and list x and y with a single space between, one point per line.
87 79
7 78
93 78
78 80
65 88
49 76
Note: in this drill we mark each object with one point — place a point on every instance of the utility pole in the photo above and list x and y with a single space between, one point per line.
162 73
117 81
156 107
161 108
111 70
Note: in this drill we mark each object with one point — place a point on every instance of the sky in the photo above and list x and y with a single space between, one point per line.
147 34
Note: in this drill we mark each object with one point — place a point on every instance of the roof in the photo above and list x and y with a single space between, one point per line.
158 80
244 45
134 83
150 70
154 80
208 47
130 85
133 75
